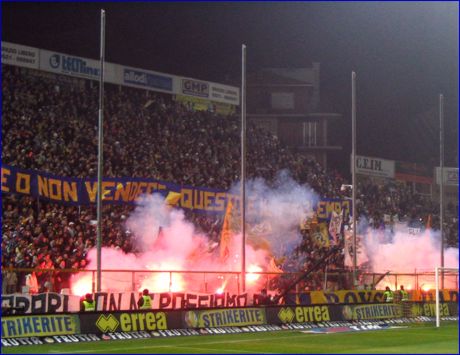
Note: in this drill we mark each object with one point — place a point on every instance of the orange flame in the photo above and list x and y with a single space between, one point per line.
250 276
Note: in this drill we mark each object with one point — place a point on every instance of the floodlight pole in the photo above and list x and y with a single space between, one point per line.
441 183
243 168
100 153
353 170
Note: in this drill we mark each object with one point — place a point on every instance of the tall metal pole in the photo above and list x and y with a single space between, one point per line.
243 168
100 153
441 186
353 170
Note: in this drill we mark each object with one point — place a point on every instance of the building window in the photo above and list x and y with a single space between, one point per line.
310 134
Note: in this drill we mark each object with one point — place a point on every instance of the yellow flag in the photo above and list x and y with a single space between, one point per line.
226 234
173 198
321 235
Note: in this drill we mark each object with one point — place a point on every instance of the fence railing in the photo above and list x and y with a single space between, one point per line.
80 281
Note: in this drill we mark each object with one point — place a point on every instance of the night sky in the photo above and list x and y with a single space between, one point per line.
404 54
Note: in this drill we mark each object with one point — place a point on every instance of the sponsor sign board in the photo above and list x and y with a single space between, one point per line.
194 87
374 166
23 56
39 325
61 63
450 176
303 314
147 79
372 311
225 94
69 65
212 318
114 322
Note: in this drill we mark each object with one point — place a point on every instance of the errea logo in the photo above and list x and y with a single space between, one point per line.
286 315
107 324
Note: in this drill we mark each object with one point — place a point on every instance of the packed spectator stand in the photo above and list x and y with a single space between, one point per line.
49 124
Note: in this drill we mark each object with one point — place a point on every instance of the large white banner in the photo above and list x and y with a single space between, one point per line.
105 301
450 176
374 166
23 56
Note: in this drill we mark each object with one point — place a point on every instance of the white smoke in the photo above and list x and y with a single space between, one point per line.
406 252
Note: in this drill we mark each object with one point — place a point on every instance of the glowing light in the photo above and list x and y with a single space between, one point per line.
82 286
220 291
164 281
409 288
427 287
250 276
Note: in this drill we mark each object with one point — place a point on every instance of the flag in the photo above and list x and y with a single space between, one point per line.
309 222
272 267
226 234
256 235
321 236
335 225
428 222
173 198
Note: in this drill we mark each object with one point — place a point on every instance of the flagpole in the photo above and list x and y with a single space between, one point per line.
243 168
353 171
441 183
100 154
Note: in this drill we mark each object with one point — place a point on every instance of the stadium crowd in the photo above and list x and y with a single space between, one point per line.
50 124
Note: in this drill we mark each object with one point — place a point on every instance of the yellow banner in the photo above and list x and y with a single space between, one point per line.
27 326
225 317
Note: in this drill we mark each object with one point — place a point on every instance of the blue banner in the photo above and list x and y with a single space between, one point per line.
75 191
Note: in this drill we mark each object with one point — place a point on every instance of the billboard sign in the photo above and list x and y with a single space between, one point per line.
23 56
374 166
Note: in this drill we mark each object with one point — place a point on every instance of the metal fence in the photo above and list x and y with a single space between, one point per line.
81 281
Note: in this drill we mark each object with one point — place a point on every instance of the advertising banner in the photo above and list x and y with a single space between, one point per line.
450 176
207 90
146 79
303 314
372 311
225 94
129 321
69 65
374 167
40 325
428 309
211 318
66 64
22 56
